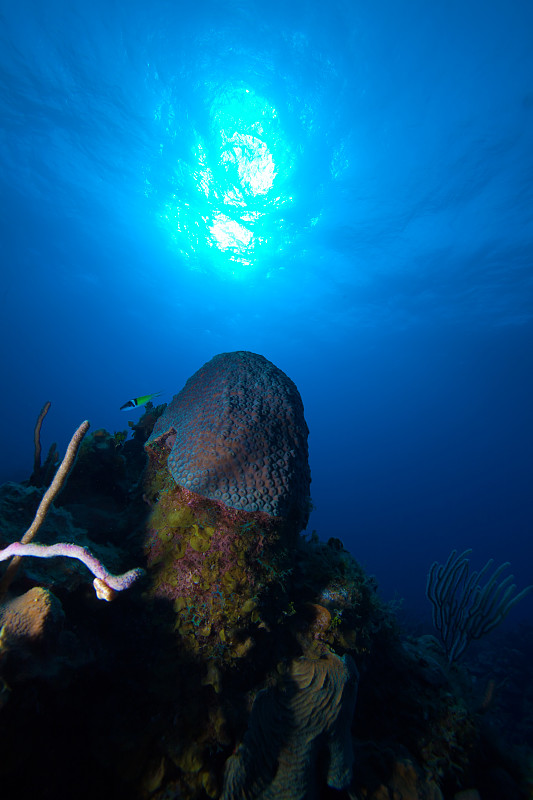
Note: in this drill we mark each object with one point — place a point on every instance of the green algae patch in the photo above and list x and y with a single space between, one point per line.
200 540
181 517
216 565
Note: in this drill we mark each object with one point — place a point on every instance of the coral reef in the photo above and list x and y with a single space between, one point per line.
229 672
236 433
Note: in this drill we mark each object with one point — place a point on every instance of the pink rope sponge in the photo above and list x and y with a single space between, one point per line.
105 584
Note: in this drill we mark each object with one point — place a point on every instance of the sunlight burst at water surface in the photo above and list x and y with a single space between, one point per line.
229 197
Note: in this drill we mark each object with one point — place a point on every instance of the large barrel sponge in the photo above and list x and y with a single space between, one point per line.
237 434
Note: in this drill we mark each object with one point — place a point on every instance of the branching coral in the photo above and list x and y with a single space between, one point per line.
105 583
36 475
48 497
463 609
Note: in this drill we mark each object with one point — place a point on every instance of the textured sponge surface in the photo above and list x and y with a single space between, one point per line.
240 436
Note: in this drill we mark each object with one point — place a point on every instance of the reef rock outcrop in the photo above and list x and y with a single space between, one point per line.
290 725
236 433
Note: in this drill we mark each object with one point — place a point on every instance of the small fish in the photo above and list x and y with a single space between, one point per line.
139 401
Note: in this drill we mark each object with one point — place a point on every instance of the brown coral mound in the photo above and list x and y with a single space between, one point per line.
237 434
289 726
408 782
30 617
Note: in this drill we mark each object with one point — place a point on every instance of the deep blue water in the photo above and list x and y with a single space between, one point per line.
343 187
